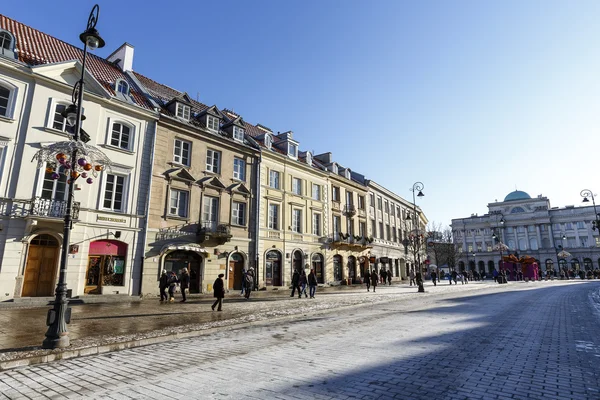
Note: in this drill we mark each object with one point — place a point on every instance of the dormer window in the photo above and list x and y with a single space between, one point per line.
122 87
238 133
183 111
308 158
212 123
7 44
292 150
268 141
347 173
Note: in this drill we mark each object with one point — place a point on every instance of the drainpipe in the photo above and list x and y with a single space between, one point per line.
257 217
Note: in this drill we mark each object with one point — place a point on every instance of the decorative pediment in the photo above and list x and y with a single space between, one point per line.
238 121
212 181
240 188
180 174
183 98
69 72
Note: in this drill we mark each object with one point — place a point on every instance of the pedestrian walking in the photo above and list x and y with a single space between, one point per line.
412 277
312 283
248 282
219 292
184 283
389 278
243 291
295 282
434 278
374 279
172 286
303 281
367 279
163 284
454 276
382 275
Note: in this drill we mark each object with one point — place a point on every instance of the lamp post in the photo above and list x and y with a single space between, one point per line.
585 193
59 316
417 186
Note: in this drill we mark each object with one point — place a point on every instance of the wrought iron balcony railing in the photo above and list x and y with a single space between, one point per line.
350 209
52 208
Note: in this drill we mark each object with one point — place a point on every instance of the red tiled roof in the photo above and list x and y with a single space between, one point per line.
37 48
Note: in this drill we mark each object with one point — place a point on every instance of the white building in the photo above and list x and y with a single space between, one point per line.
529 226
37 74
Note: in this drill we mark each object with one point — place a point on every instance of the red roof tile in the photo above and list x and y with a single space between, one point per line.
37 48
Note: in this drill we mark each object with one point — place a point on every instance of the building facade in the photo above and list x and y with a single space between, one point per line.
37 74
529 226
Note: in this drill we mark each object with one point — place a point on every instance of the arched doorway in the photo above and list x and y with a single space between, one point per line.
575 264
106 265
549 265
236 271
337 268
297 259
481 266
352 268
471 265
273 268
461 265
40 269
562 264
490 267
180 259
317 266
587 264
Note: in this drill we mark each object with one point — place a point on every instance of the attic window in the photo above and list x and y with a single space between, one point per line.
347 173
122 87
212 123
292 150
183 111
7 44
268 141
238 133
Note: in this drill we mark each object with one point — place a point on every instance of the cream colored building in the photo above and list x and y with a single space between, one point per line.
293 211
202 205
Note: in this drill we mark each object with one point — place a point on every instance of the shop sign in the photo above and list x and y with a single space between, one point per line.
109 219
73 249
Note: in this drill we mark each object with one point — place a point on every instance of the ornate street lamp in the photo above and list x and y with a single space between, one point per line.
417 187
76 159
585 193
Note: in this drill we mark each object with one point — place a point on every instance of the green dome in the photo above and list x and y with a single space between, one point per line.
517 195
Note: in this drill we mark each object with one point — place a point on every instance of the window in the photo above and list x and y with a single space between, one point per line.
179 203
268 141
316 191
59 122
394 233
362 229
597 238
387 207
292 150
316 224
238 213
520 229
239 169
349 197
238 133
361 202
522 244
122 87
274 179
489 247
533 244
5 41
556 227
212 123
183 111
470 248
335 193
373 228
479 247
54 189
349 227
181 152
379 202
273 222
337 225
381 233
510 229
388 234
210 212
120 136
580 225
543 228
297 186
530 228
568 226
4 95
393 209
297 221
114 192
213 161
584 241
372 200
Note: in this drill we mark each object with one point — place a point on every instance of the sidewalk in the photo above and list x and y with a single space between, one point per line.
103 327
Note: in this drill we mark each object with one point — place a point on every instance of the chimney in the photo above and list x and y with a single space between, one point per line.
123 57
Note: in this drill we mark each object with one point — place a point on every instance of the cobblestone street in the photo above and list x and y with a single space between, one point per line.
536 340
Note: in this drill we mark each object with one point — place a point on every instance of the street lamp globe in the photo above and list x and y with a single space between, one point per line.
92 39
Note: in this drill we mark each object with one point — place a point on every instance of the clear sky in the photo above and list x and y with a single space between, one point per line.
472 98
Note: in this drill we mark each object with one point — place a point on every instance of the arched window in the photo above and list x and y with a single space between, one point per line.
121 136
337 268
575 264
122 87
522 244
268 141
587 264
7 44
549 265
511 244
533 244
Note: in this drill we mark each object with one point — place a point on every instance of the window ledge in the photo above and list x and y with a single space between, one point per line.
176 217
57 132
210 173
7 119
178 165
115 148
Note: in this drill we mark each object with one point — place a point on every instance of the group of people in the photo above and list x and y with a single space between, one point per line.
300 281
169 281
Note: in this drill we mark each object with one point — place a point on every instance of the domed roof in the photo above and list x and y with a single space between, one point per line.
517 195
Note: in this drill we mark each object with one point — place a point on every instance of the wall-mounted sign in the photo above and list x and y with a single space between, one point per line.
109 219
73 249
372 259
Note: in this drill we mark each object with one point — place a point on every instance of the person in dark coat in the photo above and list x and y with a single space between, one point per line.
172 285
302 283
382 275
389 277
312 283
454 276
434 278
367 279
295 282
163 284
184 283
249 282
374 279
219 292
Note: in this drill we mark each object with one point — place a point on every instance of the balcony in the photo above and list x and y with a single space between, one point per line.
350 210
344 241
210 230
52 208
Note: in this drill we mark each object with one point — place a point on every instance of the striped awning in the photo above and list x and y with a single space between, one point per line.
183 246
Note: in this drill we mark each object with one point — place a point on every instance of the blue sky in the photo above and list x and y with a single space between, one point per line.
472 98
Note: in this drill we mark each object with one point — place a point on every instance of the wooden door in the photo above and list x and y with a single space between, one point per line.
40 271
232 275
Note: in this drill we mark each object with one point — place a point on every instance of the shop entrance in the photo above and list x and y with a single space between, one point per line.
236 271
273 268
352 269
317 265
40 270
106 265
180 259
